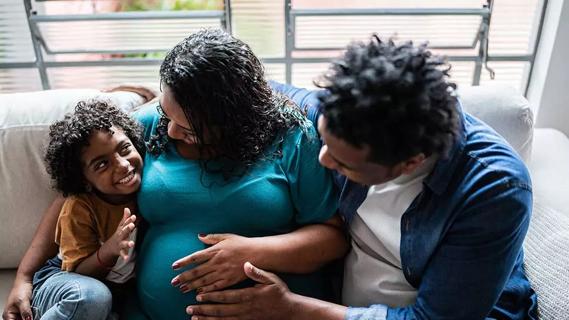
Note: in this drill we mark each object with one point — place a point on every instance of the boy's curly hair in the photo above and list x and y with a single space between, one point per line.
68 137
393 98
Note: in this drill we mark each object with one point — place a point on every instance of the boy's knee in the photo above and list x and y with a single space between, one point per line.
91 300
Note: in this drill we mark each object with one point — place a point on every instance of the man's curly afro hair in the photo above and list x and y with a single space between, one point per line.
68 138
393 98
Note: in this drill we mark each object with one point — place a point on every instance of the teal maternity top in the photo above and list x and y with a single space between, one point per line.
179 201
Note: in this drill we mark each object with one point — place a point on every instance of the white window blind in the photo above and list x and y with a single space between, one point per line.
261 24
17 72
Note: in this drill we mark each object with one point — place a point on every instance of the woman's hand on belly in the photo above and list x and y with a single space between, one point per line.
220 266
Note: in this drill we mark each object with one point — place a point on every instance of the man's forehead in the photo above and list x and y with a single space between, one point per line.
340 149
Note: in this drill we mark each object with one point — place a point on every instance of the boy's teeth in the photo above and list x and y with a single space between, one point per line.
127 178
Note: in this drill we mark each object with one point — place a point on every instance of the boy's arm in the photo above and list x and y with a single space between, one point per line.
98 267
99 263
41 248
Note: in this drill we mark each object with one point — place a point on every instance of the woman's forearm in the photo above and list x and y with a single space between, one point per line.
303 250
43 245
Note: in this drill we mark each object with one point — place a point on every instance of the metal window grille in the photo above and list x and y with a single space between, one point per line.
295 42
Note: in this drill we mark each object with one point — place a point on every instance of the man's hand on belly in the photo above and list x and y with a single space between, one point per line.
269 299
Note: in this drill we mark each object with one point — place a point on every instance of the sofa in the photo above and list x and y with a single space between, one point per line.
25 187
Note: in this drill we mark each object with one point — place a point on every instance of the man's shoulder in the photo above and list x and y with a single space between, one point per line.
486 152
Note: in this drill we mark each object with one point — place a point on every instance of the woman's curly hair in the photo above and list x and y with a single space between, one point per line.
393 98
221 87
68 138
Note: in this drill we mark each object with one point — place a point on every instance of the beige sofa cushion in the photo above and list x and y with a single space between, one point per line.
547 261
24 184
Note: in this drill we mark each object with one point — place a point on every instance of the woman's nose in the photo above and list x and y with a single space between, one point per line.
174 132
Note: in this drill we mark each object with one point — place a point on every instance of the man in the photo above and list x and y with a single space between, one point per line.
437 204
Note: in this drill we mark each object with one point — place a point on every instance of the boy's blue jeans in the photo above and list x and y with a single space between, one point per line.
66 295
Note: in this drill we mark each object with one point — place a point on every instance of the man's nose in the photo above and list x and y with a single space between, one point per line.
325 158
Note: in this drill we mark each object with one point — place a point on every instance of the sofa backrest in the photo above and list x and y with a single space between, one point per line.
24 125
505 110
25 190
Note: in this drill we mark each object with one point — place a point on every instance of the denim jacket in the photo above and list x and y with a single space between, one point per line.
461 238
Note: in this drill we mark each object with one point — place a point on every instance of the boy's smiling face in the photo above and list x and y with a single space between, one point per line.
112 165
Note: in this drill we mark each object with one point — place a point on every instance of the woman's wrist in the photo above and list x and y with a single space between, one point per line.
270 253
261 252
301 307
24 276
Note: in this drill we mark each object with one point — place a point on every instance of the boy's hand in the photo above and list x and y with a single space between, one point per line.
121 237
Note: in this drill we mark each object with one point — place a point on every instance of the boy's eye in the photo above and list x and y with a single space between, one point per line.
125 149
100 165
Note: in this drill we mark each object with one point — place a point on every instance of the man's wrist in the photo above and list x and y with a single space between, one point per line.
296 304
302 308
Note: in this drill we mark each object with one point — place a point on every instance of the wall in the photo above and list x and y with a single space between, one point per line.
549 87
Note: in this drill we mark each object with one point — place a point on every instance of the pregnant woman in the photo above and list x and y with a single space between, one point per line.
225 155
228 155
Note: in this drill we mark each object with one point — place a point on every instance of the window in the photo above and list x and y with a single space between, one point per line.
295 38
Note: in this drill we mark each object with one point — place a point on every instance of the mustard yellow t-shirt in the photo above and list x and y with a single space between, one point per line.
85 223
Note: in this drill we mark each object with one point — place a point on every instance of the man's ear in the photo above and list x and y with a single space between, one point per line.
409 165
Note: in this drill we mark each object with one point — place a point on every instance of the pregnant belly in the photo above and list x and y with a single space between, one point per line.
161 247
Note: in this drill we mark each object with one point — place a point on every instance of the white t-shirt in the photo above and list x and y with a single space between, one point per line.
373 271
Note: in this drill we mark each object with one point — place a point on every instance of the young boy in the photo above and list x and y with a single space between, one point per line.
94 159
